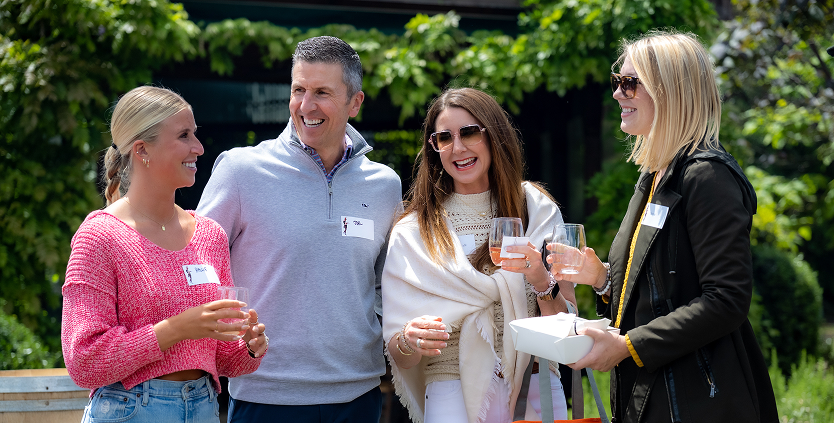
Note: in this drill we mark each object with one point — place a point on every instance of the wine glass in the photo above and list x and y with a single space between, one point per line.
508 228
234 293
568 244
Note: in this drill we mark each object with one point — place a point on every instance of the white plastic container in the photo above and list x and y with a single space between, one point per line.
554 338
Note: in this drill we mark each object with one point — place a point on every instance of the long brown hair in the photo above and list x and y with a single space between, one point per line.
432 186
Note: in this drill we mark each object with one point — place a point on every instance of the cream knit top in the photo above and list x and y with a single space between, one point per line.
470 214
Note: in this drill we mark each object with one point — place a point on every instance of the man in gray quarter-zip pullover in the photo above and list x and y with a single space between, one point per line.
308 217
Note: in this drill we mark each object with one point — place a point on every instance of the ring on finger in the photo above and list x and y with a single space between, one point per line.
528 265
419 342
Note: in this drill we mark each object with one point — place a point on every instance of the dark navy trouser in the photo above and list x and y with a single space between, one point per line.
365 409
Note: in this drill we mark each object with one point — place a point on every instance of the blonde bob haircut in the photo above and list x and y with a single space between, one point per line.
678 74
137 116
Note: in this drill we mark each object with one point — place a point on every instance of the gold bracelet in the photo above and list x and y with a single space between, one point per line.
405 340
398 345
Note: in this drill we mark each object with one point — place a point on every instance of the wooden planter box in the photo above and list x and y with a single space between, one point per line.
42 396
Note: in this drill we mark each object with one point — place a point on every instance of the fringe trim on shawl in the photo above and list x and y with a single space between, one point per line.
487 334
408 401
490 395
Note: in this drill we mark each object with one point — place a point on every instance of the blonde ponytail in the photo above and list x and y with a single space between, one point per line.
136 116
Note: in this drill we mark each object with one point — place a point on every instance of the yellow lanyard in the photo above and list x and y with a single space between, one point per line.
631 253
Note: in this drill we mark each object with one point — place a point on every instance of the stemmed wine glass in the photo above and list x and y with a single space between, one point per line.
505 232
568 243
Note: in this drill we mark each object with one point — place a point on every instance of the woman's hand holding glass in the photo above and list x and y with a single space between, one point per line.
591 272
252 332
203 321
569 255
530 265
255 338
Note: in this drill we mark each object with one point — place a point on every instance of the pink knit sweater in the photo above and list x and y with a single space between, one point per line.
119 284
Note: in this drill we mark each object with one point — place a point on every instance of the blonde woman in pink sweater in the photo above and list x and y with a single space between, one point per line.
141 323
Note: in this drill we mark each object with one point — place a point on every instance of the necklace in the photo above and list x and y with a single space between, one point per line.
152 220
479 213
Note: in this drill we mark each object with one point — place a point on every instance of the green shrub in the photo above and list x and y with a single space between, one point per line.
397 149
20 348
789 297
806 396
613 188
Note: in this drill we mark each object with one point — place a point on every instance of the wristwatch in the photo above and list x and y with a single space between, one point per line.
550 293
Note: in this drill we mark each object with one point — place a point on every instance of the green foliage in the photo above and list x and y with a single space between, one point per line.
779 120
778 220
613 188
603 381
572 41
397 149
20 348
227 39
806 396
61 64
415 66
790 300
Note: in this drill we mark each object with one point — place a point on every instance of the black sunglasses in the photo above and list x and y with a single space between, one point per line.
469 136
627 83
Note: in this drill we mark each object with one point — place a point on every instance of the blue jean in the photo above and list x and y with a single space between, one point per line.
155 401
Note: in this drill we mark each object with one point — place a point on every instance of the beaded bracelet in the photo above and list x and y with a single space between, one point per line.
547 290
405 341
398 345
607 287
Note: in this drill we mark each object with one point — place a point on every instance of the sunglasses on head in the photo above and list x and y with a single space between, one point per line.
627 83
469 135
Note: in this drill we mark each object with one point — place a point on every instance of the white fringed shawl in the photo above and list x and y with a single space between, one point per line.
413 285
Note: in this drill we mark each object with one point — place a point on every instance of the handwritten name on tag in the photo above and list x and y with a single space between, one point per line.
655 215
357 227
198 274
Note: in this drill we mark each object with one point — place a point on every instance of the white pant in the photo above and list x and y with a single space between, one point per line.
444 402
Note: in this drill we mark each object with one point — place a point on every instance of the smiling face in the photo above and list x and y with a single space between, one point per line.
174 154
319 104
637 112
468 166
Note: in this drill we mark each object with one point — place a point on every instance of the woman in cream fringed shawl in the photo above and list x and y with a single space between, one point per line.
440 288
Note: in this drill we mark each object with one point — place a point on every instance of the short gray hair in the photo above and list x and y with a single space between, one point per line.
326 49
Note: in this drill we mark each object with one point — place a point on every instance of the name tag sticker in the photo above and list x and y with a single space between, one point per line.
468 243
655 216
511 241
357 227
198 274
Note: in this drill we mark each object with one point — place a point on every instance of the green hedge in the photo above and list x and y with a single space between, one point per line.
21 349
787 309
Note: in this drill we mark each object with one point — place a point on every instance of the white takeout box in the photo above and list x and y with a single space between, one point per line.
550 336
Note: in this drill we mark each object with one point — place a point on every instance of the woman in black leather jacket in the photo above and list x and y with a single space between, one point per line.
679 283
